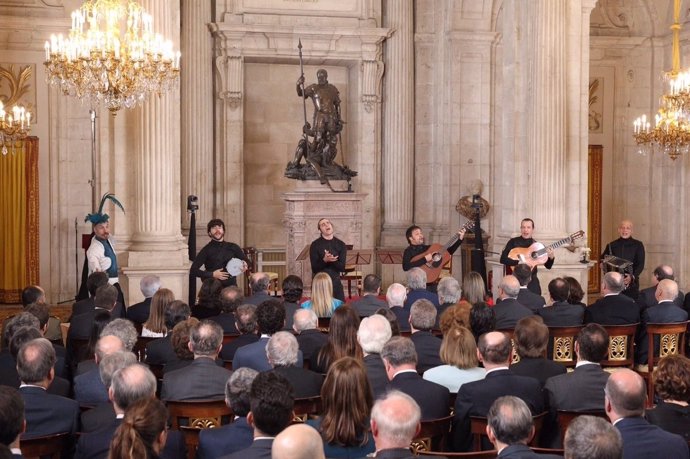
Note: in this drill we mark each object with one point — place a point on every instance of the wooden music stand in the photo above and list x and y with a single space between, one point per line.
353 261
390 257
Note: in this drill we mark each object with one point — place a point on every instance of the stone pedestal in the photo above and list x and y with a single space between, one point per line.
304 207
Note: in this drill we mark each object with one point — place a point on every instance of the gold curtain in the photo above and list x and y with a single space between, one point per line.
19 228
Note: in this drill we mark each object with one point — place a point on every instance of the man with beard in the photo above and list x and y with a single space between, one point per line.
216 254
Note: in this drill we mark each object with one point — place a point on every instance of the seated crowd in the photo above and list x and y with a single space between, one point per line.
377 369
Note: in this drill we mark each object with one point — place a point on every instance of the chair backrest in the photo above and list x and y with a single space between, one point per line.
250 254
324 324
191 416
621 345
48 446
671 339
432 435
511 333
471 455
478 429
139 348
562 344
565 417
305 407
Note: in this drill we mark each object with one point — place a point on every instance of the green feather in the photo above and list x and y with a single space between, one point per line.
111 197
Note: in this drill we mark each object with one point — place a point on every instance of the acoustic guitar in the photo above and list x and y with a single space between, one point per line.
439 255
538 253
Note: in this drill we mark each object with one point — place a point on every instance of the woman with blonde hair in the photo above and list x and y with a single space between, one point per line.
459 353
143 431
154 327
322 301
473 289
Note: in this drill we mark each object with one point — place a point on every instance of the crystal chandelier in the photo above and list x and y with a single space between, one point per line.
671 129
111 56
14 127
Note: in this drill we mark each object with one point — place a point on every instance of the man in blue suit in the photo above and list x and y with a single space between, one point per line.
625 396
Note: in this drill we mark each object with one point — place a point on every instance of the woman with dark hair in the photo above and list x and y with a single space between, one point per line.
143 431
342 339
346 401
672 385
154 327
292 295
208 302
392 319
575 292
482 319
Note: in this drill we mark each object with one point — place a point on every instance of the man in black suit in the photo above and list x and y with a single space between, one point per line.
427 346
591 437
632 250
309 338
526 297
475 398
139 313
369 303
93 282
160 351
664 312
613 308
374 331
245 321
647 296
271 404
395 298
561 313
202 378
509 310
531 338
129 385
259 284
400 360
237 435
12 423
395 421
230 298
282 351
624 405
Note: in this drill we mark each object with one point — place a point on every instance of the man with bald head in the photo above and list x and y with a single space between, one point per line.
309 337
494 350
629 249
508 310
613 308
624 399
395 421
88 387
299 441
395 297
647 296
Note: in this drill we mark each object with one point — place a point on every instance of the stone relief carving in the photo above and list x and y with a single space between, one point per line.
596 106
611 17
230 70
17 87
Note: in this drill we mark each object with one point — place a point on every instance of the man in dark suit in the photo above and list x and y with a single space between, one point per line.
509 310
160 351
395 421
271 404
416 284
613 308
400 360
230 298
298 441
475 398
591 437
449 294
129 385
259 285
42 313
395 298
282 351
93 282
427 346
526 297
309 337
369 303
647 296
202 378
245 321
374 331
139 313
12 421
561 313
624 404
531 338
665 311
237 435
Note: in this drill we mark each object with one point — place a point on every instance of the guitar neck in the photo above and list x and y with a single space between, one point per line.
555 245
455 237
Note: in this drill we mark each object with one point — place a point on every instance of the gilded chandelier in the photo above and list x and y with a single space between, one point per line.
111 56
14 127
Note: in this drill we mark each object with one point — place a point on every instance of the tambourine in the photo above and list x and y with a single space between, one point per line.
235 267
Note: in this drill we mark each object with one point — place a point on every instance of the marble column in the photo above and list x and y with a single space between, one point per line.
398 125
196 112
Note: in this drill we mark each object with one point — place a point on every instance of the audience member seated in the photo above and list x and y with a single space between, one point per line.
482 320
346 404
139 312
400 360
322 301
160 351
35 295
509 427
298 441
428 346
508 310
12 423
624 404
452 308
342 340
14 323
394 424
208 301
271 403
181 336
575 292
416 286
238 435
374 331
459 357
647 296
309 337
475 398
613 308
282 351
202 378
591 437
88 387
561 313
40 311
230 298
154 327
93 282
392 319
258 282
526 297
672 386
85 355
292 295
395 297
531 338
370 302
245 321
473 289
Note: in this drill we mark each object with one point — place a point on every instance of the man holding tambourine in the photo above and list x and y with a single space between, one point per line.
221 260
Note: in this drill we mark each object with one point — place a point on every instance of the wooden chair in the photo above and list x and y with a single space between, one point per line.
510 332
40 447
140 347
305 407
432 435
471 455
670 339
191 416
564 418
324 324
554 451
562 345
227 339
478 429
621 346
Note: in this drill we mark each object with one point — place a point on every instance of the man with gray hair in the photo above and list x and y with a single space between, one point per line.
259 284
282 351
416 285
428 346
237 435
369 303
246 324
395 297
230 298
400 361
373 333
202 378
613 308
123 329
395 421
88 387
449 293
508 310
149 285
591 437
309 337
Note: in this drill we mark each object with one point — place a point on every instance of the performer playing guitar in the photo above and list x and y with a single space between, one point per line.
431 258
